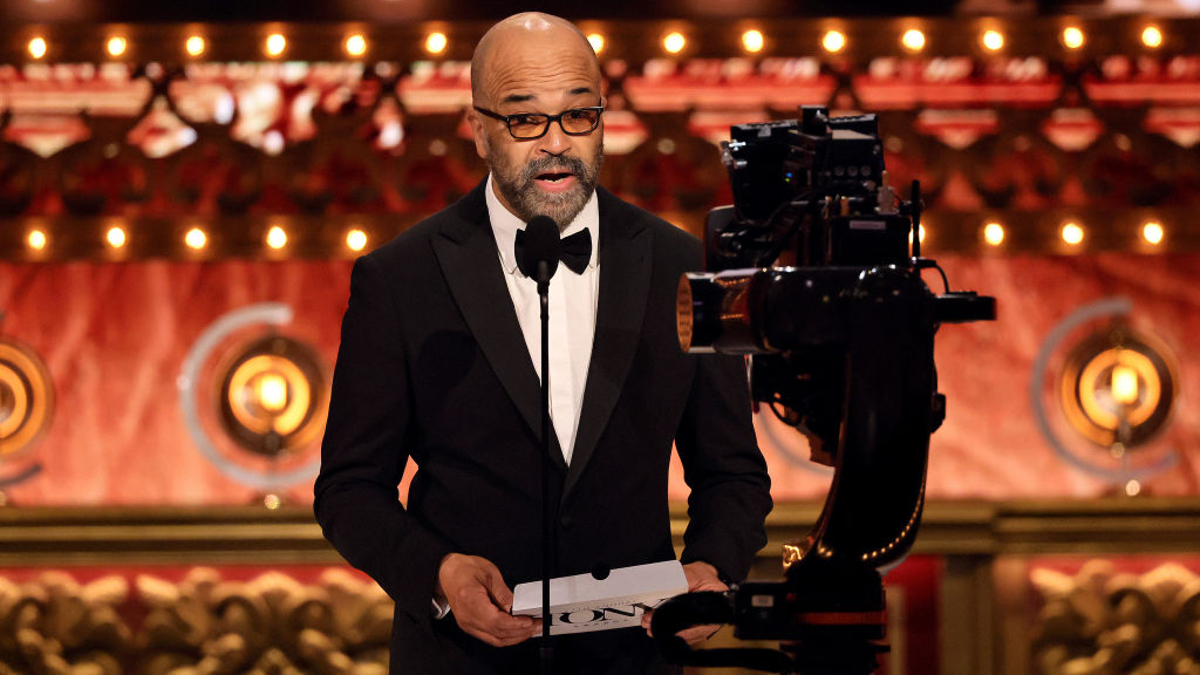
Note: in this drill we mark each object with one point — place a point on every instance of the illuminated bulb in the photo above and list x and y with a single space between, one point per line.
116 46
674 42
1072 233
993 234
435 43
1072 37
37 47
356 240
834 41
36 240
1152 232
993 40
272 392
195 45
356 45
195 238
1132 488
116 237
921 233
913 40
276 237
753 41
1124 385
596 40
276 43
272 501
1152 37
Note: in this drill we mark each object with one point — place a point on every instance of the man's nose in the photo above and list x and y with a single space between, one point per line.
556 141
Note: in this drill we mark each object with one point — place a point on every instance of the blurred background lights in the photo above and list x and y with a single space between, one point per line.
272 392
753 41
674 42
1072 233
356 240
913 40
1072 37
116 46
1153 232
195 45
834 41
116 237
993 40
993 234
36 240
37 47
1124 384
596 40
435 43
276 237
1152 37
195 238
276 43
356 45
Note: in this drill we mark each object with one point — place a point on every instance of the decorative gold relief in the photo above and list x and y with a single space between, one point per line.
1100 622
268 626
54 626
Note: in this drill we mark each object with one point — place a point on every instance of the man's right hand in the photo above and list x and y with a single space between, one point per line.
481 601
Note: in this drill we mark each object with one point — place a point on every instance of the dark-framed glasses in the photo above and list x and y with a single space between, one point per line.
529 126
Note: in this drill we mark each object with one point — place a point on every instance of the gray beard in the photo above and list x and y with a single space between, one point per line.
527 200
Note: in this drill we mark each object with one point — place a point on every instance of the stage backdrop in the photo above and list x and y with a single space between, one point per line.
114 338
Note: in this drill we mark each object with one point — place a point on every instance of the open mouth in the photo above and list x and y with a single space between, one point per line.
555 176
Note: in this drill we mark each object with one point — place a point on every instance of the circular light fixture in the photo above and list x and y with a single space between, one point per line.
37 47
753 41
116 45
596 40
834 41
436 43
36 240
1072 37
993 40
1072 233
913 40
356 240
993 234
195 45
356 45
26 398
277 237
116 237
276 43
674 42
195 239
1153 232
1152 37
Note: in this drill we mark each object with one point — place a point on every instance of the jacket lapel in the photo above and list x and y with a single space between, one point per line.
625 266
466 252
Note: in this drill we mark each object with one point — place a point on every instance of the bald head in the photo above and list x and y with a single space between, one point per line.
505 50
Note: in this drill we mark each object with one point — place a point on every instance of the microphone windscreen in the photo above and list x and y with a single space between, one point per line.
542 243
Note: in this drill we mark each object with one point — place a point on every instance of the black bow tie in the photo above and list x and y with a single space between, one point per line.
576 250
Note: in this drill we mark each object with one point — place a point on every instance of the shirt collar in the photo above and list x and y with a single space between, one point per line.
505 226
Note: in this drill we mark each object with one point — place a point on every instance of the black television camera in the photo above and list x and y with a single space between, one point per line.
815 273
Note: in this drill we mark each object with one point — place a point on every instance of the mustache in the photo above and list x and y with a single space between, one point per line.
553 165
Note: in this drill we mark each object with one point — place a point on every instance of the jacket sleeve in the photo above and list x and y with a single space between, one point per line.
730 489
364 451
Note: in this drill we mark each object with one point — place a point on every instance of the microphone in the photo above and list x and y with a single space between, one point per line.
541 245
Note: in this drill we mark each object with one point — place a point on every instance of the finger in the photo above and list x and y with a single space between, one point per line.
647 617
500 592
698 634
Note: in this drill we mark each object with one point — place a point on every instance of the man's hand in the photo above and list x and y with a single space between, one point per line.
481 601
700 577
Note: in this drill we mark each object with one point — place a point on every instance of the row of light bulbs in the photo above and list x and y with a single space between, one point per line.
753 41
196 239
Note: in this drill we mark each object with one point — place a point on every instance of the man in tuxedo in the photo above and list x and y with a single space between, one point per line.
440 361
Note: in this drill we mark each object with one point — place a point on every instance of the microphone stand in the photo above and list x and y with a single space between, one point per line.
546 650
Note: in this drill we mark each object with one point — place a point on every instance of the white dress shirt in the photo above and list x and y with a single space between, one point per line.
573 299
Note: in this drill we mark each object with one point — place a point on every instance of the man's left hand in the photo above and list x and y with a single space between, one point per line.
700 577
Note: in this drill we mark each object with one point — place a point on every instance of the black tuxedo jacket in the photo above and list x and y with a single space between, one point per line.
433 365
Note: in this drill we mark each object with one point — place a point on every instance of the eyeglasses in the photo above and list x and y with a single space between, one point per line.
529 126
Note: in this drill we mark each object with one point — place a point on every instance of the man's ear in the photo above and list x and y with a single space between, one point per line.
475 120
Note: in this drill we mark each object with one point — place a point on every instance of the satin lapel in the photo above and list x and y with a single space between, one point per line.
466 252
625 266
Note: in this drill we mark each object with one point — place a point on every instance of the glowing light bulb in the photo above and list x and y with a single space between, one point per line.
116 46
1153 232
277 238
195 45
596 40
993 40
436 43
1152 37
195 238
37 47
753 41
276 43
674 42
356 45
356 240
1072 37
116 237
272 392
1072 233
913 40
1124 385
36 240
993 234
834 41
